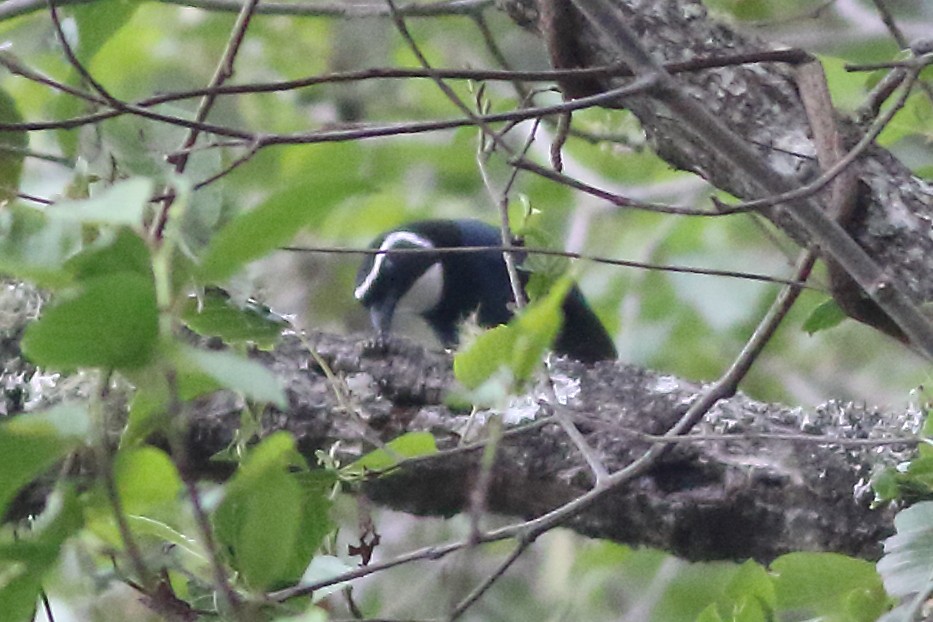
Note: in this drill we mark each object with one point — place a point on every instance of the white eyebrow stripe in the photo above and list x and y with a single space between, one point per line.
392 240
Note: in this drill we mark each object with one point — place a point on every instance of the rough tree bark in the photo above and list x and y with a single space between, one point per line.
743 496
759 101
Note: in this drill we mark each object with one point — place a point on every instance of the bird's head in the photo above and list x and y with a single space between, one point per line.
412 280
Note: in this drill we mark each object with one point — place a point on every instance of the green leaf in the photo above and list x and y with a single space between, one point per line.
147 409
147 480
13 145
911 484
313 614
151 401
98 22
122 251
273 517
537 328
517 346
848 88
148 526
215 315
825 584
112 322
710 614
826 315
122 203
884 482
268 528
25 561
409 445
31 443
749 596
914 120
272 224
485 356
210 210
908 559
34 248
752 580
316 487
237 373
137 144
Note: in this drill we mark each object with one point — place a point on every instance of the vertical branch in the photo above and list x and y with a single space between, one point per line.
508 256
222 73
73 58
488 582
105 466
178 442
888 18
806 211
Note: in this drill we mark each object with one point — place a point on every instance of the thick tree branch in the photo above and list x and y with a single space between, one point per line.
756 480
731 497
760 104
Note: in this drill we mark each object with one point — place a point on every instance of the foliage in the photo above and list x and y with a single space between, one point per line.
516 348
910 481
136 246
905 566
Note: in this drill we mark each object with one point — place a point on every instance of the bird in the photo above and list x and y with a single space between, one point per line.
445 288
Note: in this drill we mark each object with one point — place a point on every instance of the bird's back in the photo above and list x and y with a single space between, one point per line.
478 281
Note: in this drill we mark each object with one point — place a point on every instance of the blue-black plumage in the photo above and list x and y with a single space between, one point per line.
445 287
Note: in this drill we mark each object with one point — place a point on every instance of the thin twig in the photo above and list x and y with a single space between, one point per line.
791 438
222 73
570 429
489 40
921 60
178 443
479 491
488 582
72 58
341 250
806 211
531 529
104 456
618 70
827 177
13 8
505 232
889 22
118 107
502 203
235 164
46 605
791 56
621 201
34 198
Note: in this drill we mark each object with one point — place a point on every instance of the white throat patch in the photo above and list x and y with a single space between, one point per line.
396 239
425 293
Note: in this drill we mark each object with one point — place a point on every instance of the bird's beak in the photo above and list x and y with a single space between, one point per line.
381 315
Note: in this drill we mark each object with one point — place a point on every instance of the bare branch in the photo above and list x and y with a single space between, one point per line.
13 8
341 250
890 295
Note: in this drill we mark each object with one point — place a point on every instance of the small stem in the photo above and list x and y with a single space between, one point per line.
222 73
105 467
178 442
488 582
